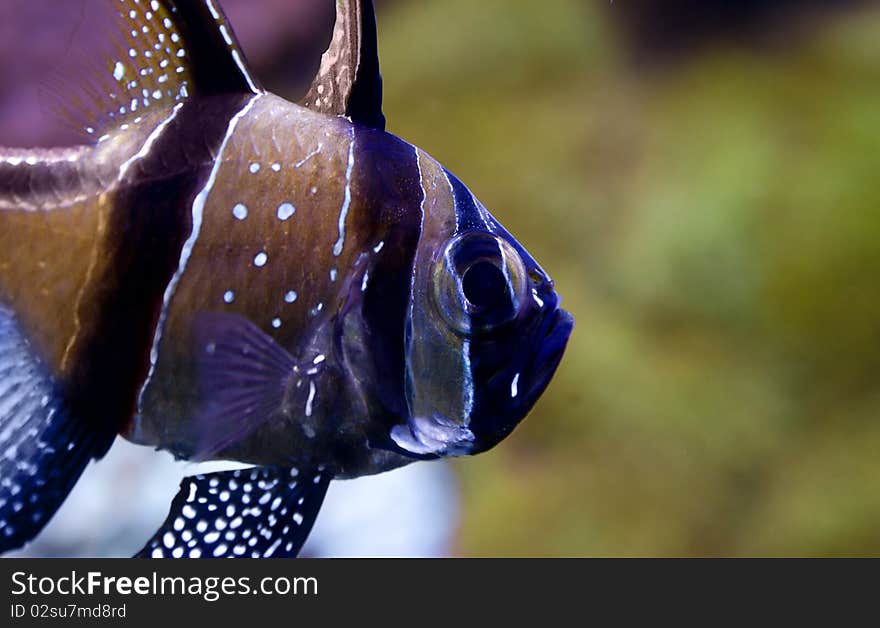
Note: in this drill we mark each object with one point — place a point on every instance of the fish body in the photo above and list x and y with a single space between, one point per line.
224 274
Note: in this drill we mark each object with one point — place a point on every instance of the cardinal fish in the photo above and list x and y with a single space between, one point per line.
227 275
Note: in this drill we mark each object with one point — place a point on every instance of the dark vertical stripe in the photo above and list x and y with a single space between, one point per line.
149 224
388 172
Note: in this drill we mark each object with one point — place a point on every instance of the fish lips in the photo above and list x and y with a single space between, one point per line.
504 403
556 331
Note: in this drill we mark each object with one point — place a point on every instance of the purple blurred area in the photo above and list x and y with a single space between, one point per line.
47 49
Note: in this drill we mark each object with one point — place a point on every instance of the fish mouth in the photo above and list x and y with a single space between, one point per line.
555 331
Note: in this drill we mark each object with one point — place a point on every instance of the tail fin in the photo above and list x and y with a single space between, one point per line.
49 227
43 449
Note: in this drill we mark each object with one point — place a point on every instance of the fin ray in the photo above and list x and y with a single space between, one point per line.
243 377
168 50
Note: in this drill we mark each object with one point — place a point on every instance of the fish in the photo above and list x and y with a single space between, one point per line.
226 275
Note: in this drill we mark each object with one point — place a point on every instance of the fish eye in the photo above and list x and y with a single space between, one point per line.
479 283
484 285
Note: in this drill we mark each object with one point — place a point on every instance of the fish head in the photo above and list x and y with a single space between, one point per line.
485 332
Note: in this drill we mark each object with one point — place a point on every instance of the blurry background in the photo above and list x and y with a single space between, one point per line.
701 179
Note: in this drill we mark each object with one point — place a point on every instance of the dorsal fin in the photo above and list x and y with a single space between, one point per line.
349 82
168 51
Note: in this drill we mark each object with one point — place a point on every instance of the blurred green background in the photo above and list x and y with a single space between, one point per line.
713 225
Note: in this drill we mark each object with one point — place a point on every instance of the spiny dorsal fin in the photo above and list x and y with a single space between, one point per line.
348 82
168 51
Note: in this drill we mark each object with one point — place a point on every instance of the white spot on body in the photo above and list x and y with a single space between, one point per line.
261 259
311 399
290 297
254 168
240 211
537 299
229 296
286 211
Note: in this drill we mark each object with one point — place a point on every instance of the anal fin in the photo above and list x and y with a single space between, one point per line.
263 512
43 448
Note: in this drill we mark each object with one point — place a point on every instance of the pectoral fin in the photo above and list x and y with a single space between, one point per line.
244 376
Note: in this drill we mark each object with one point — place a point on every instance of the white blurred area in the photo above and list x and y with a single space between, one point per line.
121 500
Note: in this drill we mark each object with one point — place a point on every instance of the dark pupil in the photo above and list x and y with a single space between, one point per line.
484 285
